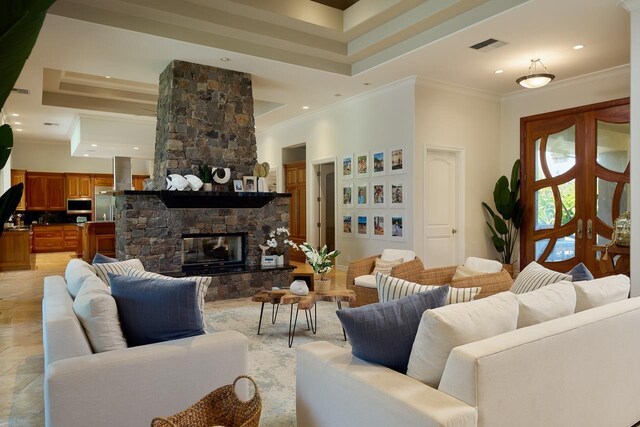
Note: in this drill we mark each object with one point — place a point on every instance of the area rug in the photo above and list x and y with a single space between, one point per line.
271 362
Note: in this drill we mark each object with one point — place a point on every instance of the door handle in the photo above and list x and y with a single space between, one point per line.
579 230
589 229
454 231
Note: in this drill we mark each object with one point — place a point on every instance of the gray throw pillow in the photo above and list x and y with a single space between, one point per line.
383 333
580 273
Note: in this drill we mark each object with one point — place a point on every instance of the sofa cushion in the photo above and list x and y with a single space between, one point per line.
75 274
202 285
393 254
383 333
154 310
102 259
547 303
483 265
366 281
385 267
463 272
580 273
391 288
97 311
445 328
534 276
119 267
597 292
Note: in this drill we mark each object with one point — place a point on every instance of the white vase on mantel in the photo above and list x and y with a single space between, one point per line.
280 261
207 186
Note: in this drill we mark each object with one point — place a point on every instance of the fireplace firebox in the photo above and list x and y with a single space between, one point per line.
218 252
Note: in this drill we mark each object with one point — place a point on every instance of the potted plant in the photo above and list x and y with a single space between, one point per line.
19 29
279 241
205 173
505 224
322 262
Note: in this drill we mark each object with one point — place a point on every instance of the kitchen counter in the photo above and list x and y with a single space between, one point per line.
98 236
15 249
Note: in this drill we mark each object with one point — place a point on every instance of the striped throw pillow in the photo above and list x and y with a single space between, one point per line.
534 276
391 288
119 267
385 267
202 284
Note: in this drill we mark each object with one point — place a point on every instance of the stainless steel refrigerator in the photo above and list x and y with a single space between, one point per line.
105 204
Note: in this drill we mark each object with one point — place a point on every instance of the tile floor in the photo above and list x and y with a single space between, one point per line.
21 356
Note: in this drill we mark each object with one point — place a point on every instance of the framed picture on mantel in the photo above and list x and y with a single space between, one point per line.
250 183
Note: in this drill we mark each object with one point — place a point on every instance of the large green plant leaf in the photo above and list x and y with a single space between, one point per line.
501 226
9 202
515 177
6 144
20 25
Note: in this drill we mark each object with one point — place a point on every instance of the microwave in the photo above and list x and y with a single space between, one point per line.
79 206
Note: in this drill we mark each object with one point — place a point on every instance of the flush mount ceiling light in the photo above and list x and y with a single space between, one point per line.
535 79
225 59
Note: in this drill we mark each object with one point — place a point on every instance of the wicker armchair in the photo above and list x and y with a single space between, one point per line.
363 267
414 271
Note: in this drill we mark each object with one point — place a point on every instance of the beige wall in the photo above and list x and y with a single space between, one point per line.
451 117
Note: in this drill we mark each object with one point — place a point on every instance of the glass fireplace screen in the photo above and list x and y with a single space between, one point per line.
221 249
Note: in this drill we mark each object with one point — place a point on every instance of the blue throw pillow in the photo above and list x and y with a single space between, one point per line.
102 259
580 273
383 333
154 310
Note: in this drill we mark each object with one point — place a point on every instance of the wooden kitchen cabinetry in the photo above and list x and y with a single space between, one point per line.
98 237
79 186
15 251
70 236
17 177
46 191
138 182
102 180
48 238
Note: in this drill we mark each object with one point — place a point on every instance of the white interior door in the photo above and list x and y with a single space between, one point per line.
442 211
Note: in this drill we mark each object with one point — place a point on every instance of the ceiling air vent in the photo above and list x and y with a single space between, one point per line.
21 91
488 45
51 124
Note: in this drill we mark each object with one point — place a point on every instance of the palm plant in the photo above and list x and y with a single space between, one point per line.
20 24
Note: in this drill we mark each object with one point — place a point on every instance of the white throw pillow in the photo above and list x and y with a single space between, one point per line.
119 267
483 265
366 281
445 328
391 288
75 274
547 303
391 254
463 272
534 276
385 267
605 290
202 285
98 313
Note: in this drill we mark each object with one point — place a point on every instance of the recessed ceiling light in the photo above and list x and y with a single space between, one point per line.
578 47
225 59
94 145
498 71
337 94
15 115
136 148
107 77
305 107
366 83
17 123
85 155
18 130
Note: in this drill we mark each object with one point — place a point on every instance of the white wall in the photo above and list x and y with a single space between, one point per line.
379 119
49 156
452 117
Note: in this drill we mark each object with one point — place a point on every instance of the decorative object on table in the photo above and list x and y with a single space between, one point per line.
176 182
622 230
250 184
322 262
270 261
261 170
195 183
299 287
221 407
238 187
206 175
507 222
221 175
279 241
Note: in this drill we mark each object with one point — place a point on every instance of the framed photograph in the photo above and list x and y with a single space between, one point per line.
396 194
347 166
379 229
362 196
347 195
347 224
250 183
362 165
378 194
237 186
396 155
398 230
379 163
363 227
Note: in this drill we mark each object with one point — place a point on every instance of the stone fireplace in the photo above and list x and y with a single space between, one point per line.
205 116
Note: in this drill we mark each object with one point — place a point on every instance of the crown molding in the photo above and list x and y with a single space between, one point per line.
450 87
630 5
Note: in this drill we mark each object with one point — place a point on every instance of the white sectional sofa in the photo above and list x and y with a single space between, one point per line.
127 387
581 370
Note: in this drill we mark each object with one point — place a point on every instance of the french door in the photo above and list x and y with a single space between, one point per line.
575 182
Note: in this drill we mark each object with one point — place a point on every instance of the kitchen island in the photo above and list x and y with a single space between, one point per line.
15 249
98 236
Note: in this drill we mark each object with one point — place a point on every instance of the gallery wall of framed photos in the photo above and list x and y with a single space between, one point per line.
374 194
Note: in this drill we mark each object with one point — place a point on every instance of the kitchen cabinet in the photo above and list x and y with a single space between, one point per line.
79 186
17 177
102 180
48 238
70 235
98 237
138 182
15 251
46 191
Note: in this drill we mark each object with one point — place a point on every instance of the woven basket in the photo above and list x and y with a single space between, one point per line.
221 407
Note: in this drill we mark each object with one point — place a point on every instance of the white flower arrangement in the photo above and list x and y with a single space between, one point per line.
320 261
279 240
